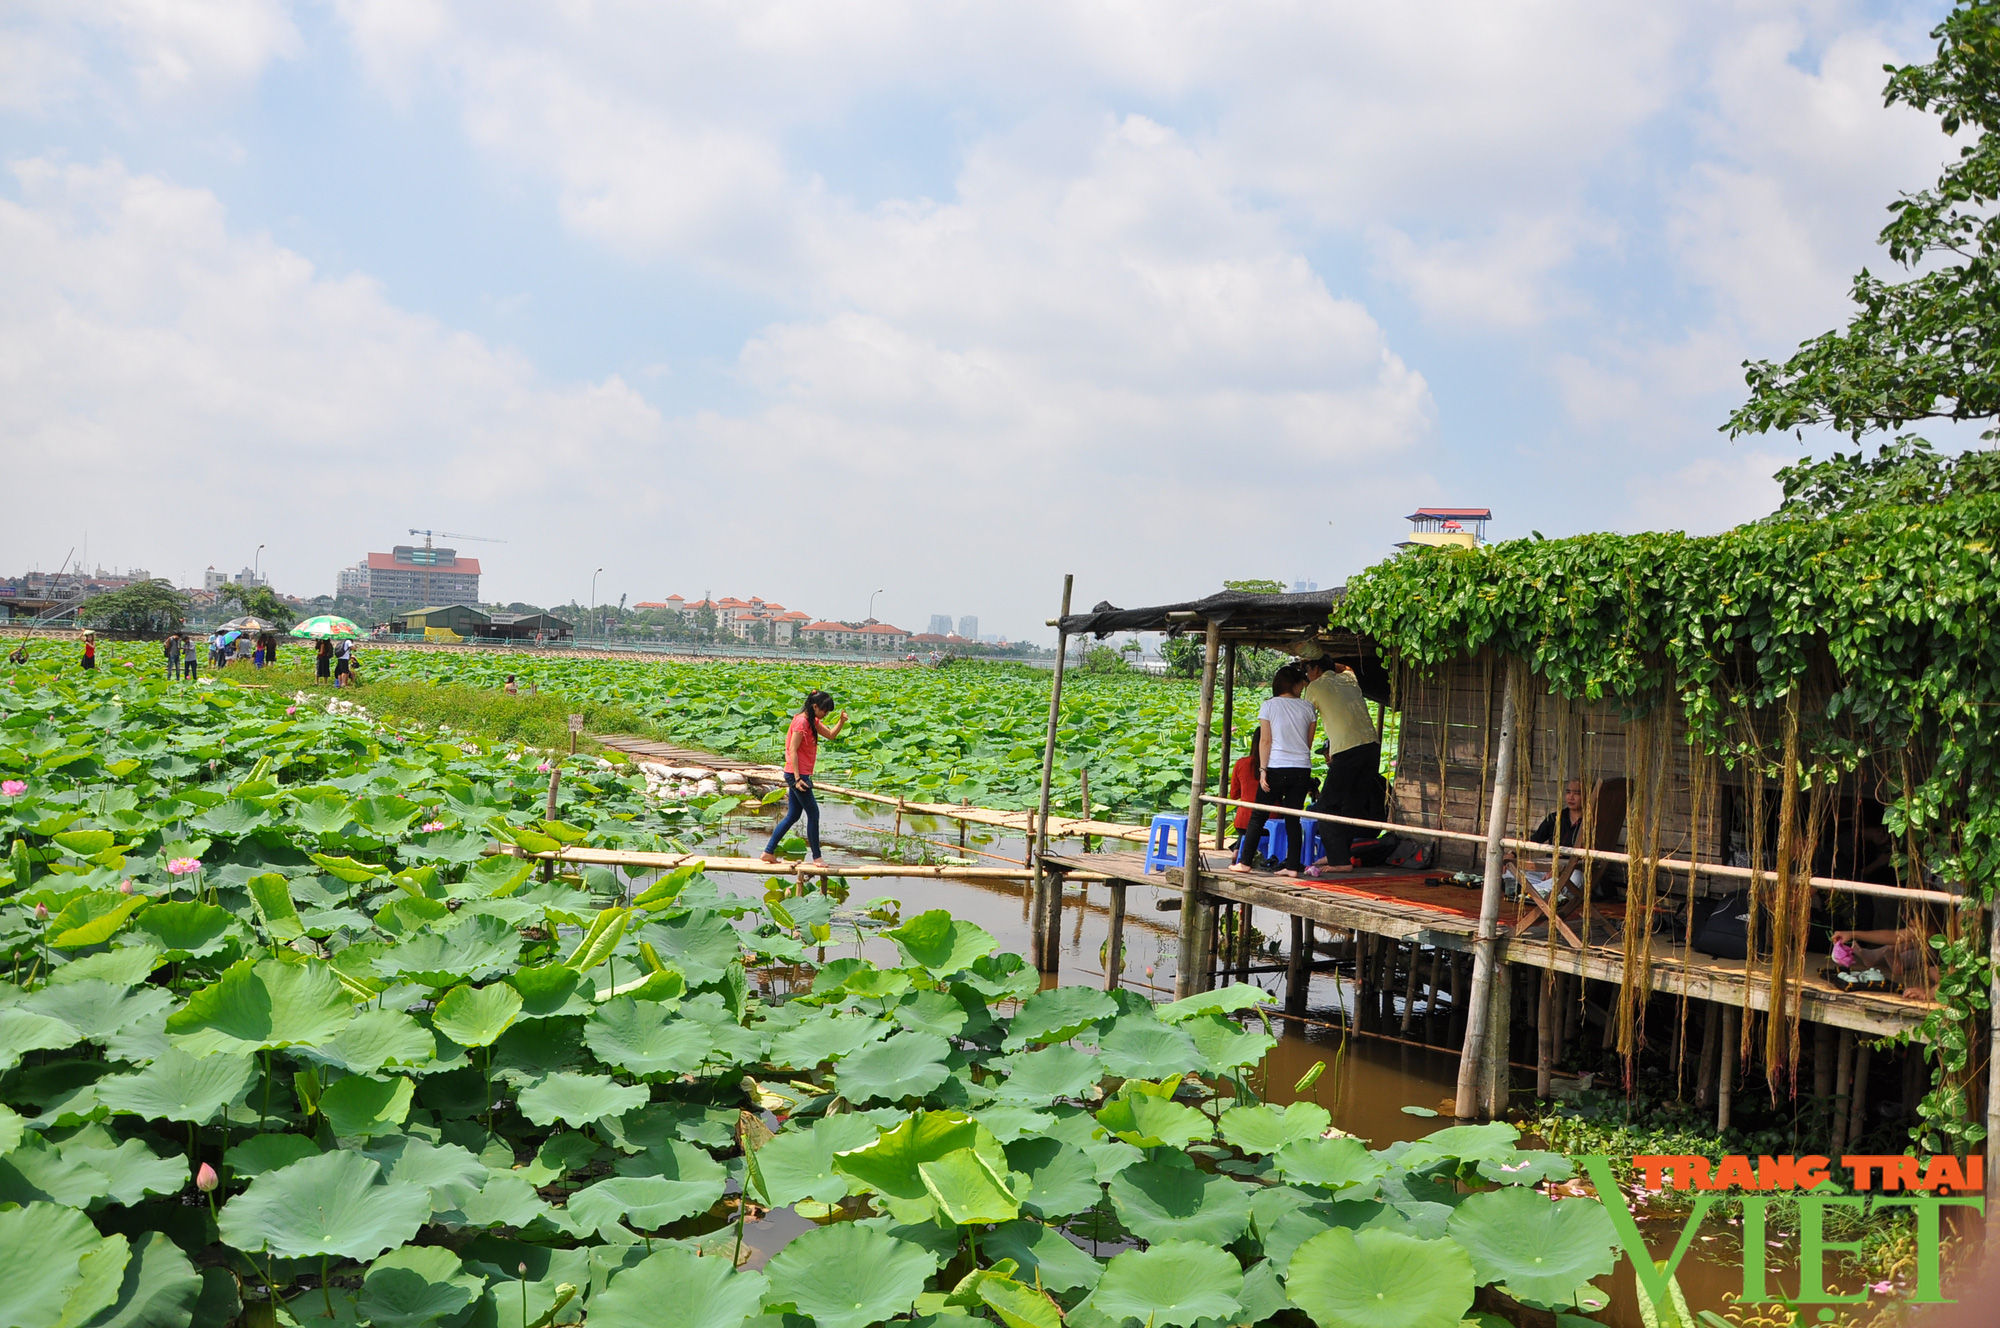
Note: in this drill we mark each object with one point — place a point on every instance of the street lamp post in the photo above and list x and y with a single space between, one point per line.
871 606
593 595
257 565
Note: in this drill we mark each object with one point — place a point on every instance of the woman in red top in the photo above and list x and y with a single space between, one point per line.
801 751
90 650
1243 787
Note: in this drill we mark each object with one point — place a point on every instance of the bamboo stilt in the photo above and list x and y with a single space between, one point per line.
1114 938
1409 992
1545 1035
1711 1046
1479 1015
1193 946
1298 970
1725 1080
1843 1090
1042 935
1857 1120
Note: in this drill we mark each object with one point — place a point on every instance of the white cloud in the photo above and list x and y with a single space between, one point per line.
163 49
1507 279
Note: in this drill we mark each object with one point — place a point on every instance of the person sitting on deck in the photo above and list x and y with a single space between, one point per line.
1353 760
1903 953
1560 828
1285 727
1243 778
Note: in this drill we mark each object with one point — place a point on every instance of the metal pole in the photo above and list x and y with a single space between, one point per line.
1479 1013
1192 968
1038 841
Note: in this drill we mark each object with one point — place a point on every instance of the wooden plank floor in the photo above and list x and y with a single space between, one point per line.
1676 970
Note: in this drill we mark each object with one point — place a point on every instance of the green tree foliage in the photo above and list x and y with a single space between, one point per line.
259 601
143 606
1927 347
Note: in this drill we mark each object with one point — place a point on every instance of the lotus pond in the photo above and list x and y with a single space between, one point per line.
283 1042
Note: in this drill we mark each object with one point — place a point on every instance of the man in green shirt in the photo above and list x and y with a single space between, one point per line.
1353 761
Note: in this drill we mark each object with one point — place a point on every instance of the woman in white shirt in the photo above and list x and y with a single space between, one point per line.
1285 727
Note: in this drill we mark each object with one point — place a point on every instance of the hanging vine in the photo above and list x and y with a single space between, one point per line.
1882 573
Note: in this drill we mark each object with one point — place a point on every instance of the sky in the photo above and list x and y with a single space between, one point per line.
946 300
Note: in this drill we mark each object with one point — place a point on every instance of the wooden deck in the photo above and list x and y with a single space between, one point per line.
1396 904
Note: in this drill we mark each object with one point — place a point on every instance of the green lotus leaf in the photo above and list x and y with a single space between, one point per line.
1223 1000
492 878
123 966
1493 1141
504 1201
1266 1128
96 1009
416 1286
825 1037
967 1188
904 1065
85 843
1041 1076
42 1246
477 1016
848 1276
347 869
676 1288
180 1087
157 1288
578 1099
1527 1167
1542 1250
645 1037
1168 1199
93 919
262 1004
799 1164
649 1202
889 1164
269 1152
1332 1163
1057 1015
12 1127
130 1168
1046 1257
452 1174
1061 1180
675 1160
23 1031
548 990
1379 1279
271 896
473 951
931 1012
235 818
1224 1043
1141 1047
1010 1122
700 943
322 814
37 1171
377 1038
528 1051
360 1106
385 818
186 928
332 1204
1017 1304
941 944
103 1272
1145 1121
568 1151
1176 1282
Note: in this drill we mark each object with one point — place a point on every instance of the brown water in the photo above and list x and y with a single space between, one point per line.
1368 1081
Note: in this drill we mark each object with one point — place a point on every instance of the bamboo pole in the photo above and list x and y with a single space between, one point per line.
1114 938
1993 1090
1725 1082
1193 966
1228 741
1042 933
1857 1120
1496 1071
1711 1044
1545 1035
1472 1057
1431 994
1843 1090
1409 992
1298 971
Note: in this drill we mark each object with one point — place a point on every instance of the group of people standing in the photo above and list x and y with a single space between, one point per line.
183 651
1310 696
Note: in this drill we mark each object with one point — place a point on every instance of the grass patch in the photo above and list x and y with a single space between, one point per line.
539 721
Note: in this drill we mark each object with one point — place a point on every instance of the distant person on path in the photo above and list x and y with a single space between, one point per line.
323 659
1243 778
257 654
801 752
190 658
1353 758
270 647
172 649
510 688
343 662
1285 727
90 650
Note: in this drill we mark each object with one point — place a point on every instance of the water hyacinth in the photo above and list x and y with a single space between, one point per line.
441 1089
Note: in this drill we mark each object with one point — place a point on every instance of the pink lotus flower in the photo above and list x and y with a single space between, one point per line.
13 788
182 866
205 1178
41 912
1882 1288
291 710
544 768
125 886
429 826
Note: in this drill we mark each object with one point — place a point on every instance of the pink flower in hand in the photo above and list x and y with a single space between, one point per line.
1882 1288
205 1178
182 866
430 826
13 788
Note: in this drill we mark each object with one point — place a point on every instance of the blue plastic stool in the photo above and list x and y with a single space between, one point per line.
1275 841
1166 843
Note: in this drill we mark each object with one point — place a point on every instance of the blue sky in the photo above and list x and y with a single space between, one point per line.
799 300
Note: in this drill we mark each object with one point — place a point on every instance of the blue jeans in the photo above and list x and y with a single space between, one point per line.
799 801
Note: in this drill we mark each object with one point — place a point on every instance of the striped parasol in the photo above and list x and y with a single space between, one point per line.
326 624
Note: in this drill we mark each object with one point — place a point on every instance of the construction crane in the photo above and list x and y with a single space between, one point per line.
452 534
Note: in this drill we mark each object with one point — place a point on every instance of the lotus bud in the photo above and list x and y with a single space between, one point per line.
41 912
205 1178
125 886
522 1268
